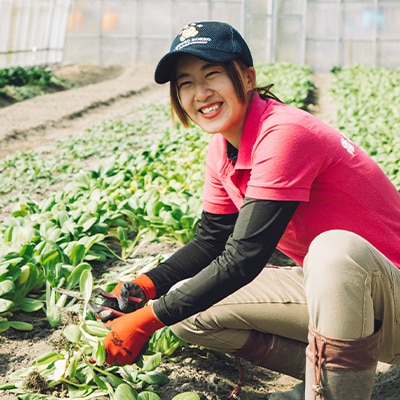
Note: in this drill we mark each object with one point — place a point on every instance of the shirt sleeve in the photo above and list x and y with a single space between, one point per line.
259 226
211 235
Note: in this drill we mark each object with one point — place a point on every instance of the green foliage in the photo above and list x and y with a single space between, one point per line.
369 112
293 85
22 76
23 83
79 366
165 342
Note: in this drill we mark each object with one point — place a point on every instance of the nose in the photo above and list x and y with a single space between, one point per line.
202 92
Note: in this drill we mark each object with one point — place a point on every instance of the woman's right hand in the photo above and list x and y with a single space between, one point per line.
141 287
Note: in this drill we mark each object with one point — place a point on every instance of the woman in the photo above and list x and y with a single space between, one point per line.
276 177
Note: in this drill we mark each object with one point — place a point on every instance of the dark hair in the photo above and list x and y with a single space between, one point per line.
231 67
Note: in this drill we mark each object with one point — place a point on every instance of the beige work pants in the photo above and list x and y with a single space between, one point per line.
345 287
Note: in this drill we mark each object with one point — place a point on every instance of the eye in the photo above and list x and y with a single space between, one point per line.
212 73
182 84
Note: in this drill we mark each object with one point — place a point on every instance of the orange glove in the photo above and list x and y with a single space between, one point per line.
142 287
129 335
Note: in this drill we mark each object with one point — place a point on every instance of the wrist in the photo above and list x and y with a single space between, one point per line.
149 321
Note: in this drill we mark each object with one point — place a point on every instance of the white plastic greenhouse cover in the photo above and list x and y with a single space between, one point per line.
319 33
32 32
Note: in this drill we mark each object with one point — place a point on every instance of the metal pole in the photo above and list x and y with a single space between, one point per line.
375 33
139 35
274 27
304 34
244 18
100 27
340 39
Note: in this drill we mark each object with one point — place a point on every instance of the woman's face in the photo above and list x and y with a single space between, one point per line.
208 96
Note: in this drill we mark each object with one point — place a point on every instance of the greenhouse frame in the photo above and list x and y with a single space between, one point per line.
319 33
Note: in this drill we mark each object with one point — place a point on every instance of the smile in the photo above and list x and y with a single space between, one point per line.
210 109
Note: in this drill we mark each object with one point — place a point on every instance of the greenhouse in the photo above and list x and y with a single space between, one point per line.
319 33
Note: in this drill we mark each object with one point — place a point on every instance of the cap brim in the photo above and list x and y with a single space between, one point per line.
166 65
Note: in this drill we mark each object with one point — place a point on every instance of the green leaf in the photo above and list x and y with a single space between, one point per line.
125 392
7 386
6 305
48 358
77 253
21 326
60 368
186 396
4 325
74 277
25 272
86 285
100 354
50 258
72 367
154 377
53 313
72 333
6 287
148 396
121 234
32 396
30 305
151 362
75 392
89 223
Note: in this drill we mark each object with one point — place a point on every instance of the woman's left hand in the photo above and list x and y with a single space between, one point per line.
129 335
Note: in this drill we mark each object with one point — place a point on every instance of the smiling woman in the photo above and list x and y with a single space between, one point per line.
275 176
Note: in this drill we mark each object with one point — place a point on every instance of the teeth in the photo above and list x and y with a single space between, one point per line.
208 110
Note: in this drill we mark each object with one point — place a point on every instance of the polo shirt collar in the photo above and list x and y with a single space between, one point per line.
250 131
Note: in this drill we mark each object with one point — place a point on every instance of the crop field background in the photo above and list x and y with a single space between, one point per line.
115 198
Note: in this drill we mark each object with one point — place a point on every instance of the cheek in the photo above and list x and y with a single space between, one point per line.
184 99
237 107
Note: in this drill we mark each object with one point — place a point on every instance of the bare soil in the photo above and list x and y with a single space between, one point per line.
114 92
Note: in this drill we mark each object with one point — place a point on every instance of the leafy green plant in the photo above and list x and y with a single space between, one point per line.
369 113
79 369
293 85
21 83
22 76
19 276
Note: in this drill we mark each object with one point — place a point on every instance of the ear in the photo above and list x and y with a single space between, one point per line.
249 78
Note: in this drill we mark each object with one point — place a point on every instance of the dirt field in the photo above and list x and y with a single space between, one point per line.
113 92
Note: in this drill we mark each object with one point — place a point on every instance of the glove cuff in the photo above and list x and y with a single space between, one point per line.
148 320
147 285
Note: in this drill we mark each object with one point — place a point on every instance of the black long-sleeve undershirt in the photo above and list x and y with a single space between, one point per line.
209 242
228 252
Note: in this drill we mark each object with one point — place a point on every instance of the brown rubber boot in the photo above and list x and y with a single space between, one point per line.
339 369
276 353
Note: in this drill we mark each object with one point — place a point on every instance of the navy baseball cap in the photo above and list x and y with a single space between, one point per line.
209 40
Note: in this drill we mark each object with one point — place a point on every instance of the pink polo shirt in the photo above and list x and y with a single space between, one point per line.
288 154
